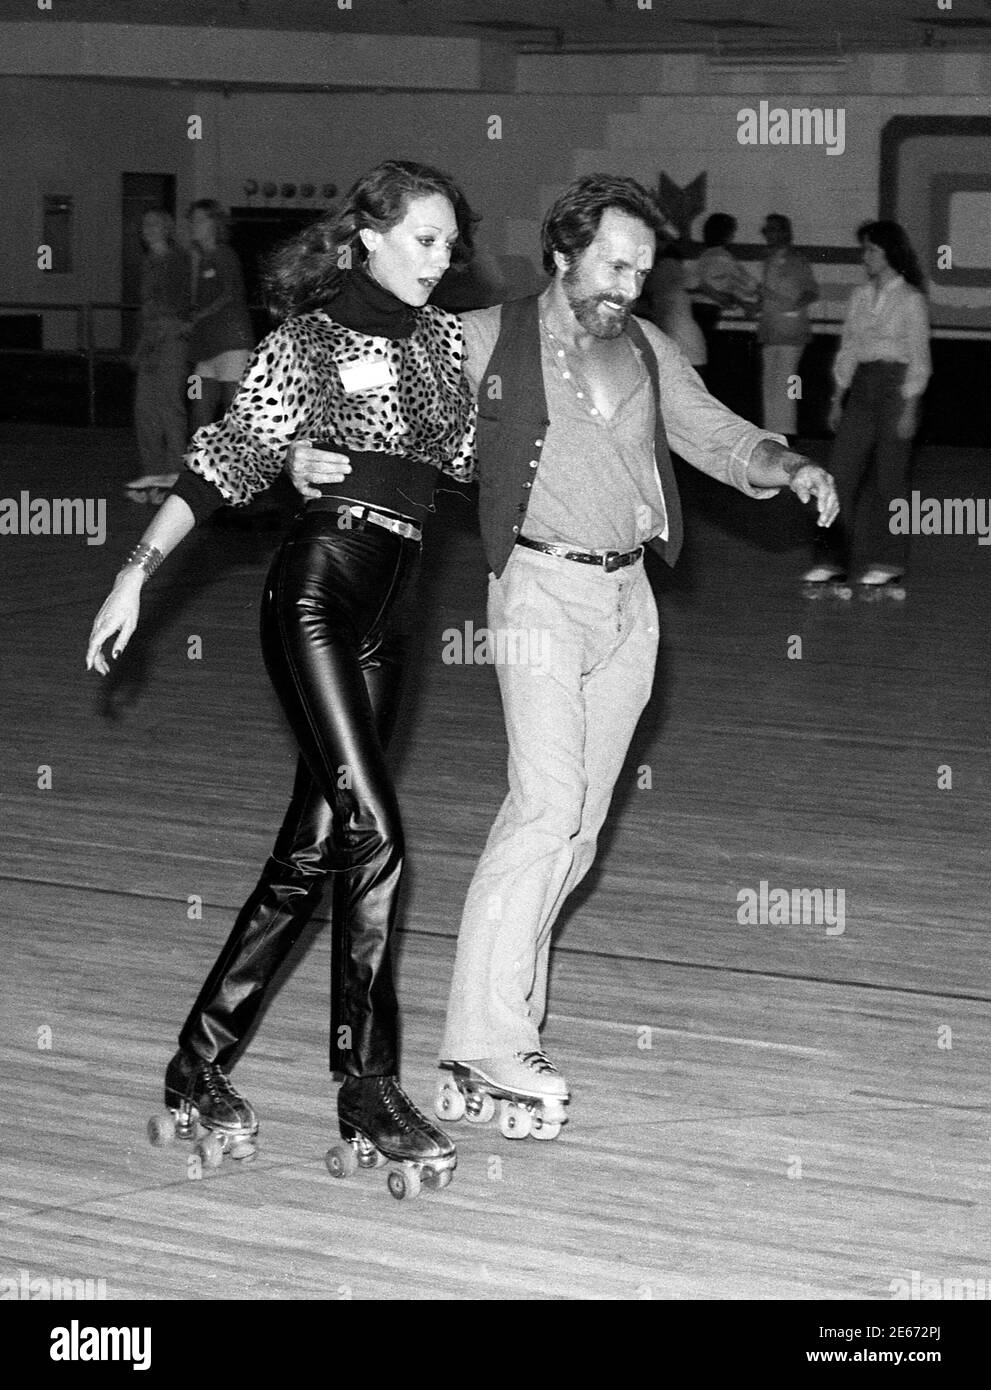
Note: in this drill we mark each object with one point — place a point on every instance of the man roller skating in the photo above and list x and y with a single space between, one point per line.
577 402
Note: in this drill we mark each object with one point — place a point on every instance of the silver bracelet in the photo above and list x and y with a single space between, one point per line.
144 557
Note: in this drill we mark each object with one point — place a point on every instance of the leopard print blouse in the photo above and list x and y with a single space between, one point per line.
292 388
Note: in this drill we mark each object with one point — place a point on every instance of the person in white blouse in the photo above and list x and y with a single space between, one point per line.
882 368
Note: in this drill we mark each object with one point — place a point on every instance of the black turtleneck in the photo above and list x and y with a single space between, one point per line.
365 306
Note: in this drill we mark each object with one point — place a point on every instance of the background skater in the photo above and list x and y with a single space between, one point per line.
882 368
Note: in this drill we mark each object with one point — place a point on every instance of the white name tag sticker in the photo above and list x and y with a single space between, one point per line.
372 375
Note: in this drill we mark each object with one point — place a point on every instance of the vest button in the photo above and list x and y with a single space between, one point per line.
533 463
538 442
521 508
528 484
515 530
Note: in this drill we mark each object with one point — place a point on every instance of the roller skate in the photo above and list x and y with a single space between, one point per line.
826 581
878 584
379 1125
202 1105
532 1094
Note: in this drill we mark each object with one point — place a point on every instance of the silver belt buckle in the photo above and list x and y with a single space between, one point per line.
406 529
620 559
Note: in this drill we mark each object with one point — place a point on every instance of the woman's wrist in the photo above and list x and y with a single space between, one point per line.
142 563
130 577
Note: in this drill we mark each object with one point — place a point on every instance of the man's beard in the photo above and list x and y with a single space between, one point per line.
588 310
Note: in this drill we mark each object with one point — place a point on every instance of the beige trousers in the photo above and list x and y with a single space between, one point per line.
780 361
590 642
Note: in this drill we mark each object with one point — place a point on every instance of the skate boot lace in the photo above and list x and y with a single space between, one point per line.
402 1109
538 1062
218 1085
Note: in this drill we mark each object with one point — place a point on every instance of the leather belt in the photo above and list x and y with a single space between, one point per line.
389 521
611 560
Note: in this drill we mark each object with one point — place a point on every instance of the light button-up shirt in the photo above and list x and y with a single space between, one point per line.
892 326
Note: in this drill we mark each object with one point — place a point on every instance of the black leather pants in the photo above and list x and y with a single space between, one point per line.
333 638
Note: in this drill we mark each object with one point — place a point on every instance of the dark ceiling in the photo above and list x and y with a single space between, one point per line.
727 27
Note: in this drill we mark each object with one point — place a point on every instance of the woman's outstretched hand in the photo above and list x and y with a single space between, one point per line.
308 462
118 617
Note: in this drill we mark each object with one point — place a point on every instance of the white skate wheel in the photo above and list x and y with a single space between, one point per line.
449 1103
436 1178
544 1129
514 1121
210 1150
480 1107
404 1182
342 1161
161 1130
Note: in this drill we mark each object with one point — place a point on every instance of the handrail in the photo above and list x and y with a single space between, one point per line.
85 347
86 308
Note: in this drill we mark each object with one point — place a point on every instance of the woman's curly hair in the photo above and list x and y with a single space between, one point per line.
305 272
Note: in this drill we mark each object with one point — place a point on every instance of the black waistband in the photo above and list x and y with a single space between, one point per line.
389 482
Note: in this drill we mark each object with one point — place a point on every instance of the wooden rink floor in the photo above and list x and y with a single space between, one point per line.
759 1111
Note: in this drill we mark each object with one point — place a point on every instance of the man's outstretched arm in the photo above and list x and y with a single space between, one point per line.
716 441
774 465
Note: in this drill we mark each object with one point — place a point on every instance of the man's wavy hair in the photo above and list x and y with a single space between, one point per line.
305 272
893 241
571 225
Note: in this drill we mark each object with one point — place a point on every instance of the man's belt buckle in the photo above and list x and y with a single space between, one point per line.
616 559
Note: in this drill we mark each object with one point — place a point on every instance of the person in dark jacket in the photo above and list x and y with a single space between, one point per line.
161 353
222 337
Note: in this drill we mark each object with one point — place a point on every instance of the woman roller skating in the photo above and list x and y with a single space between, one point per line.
364 367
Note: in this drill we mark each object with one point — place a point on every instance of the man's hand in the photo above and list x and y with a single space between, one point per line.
808 481
308 463
773 465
